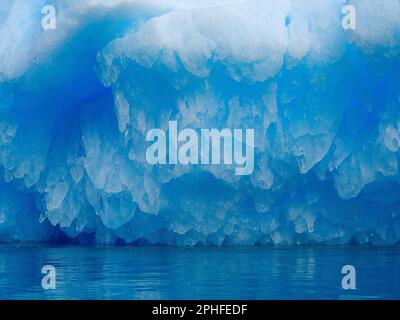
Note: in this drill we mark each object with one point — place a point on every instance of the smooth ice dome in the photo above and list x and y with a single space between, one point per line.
76 104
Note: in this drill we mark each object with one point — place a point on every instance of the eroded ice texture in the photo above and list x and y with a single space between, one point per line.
76 103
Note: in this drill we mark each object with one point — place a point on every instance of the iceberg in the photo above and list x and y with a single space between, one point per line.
77 101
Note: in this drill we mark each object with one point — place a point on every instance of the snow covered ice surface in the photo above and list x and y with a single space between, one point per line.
76 103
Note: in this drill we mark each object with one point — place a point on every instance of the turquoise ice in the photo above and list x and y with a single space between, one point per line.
76 103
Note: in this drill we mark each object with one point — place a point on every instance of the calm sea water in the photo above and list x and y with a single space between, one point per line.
199 273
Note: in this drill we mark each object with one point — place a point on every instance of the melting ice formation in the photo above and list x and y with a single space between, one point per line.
76 103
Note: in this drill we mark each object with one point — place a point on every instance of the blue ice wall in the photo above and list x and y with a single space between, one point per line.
76 103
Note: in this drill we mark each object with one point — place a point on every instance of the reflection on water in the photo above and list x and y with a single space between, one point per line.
199 273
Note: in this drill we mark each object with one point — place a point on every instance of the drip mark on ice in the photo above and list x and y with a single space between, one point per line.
202 147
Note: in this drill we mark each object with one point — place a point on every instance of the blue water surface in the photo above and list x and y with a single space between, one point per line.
199 273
